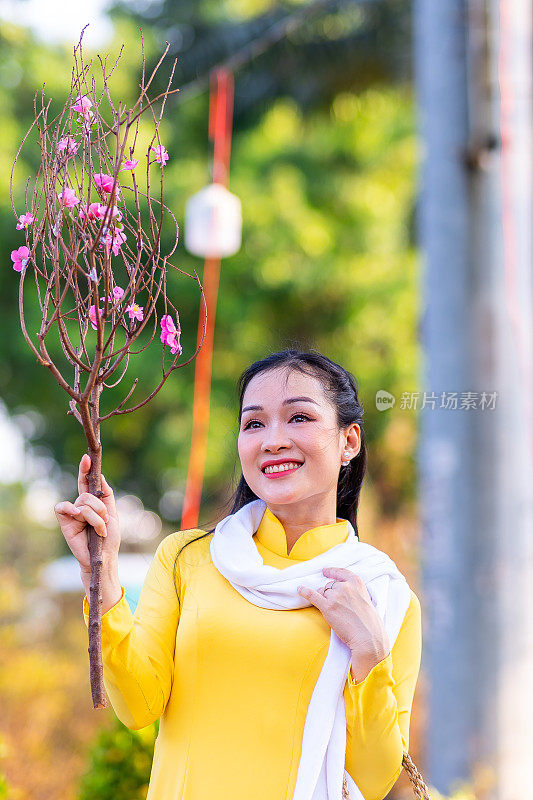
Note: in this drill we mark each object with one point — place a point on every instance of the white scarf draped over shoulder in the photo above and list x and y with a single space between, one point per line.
235 555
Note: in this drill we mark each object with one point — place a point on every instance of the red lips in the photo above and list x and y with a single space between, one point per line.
273 462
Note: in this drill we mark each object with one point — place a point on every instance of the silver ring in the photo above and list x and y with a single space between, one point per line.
329 587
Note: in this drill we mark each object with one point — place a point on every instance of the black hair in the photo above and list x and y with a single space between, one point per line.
341 389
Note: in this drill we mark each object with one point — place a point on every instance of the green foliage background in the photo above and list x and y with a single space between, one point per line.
119 764
327 261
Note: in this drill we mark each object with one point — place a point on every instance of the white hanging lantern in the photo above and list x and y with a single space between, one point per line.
213 222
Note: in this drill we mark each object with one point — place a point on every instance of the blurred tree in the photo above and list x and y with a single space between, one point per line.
330 46
119 764
46 721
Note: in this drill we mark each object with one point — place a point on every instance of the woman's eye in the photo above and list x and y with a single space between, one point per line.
248 424
256 422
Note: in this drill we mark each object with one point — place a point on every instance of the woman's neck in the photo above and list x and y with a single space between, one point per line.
301 517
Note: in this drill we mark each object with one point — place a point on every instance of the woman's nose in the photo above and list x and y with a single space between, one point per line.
274 448
275 438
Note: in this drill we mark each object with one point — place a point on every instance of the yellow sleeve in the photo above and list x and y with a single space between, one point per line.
138 649
378 711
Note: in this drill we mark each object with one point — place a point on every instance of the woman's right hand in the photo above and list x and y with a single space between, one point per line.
100 513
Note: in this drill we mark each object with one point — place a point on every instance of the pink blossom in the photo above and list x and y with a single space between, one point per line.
115 212
118 294
104 182
94 211
69 144
68 198
92 315
24 220
118 240
83 106
129 163
173 342
161 155
20 258
135 311
98 211
167 325
166 335
170 334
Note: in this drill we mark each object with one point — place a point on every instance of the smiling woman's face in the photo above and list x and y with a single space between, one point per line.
278 425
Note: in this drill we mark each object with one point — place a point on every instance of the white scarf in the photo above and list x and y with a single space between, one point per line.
235 555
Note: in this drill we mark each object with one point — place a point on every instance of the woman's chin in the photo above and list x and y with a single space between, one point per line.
280 496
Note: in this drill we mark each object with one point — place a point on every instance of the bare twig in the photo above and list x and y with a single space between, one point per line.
83 239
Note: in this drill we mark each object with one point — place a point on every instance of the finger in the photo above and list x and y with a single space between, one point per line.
338 573
94 519
83 472
67 508
342 574
94 502
107 496
317 599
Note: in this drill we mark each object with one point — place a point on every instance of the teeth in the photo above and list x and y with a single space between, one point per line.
282 467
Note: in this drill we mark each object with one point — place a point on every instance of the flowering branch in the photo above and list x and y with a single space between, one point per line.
93 246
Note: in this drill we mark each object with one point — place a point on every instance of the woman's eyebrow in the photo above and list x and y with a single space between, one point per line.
285 402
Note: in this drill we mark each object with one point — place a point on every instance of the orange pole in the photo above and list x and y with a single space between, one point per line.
220 120
201 403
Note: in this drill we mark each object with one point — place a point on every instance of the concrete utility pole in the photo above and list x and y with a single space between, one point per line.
474 68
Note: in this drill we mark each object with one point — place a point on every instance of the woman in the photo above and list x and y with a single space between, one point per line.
236 685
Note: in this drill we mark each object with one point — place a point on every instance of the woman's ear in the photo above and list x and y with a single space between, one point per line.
352 442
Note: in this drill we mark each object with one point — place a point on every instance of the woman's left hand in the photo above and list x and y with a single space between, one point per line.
348 609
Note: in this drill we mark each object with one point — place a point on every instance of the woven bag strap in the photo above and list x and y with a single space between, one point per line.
415 776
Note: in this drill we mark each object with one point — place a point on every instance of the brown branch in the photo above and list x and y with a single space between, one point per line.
165 376
74 411
81 235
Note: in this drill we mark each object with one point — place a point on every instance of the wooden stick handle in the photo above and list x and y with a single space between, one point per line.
95 618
